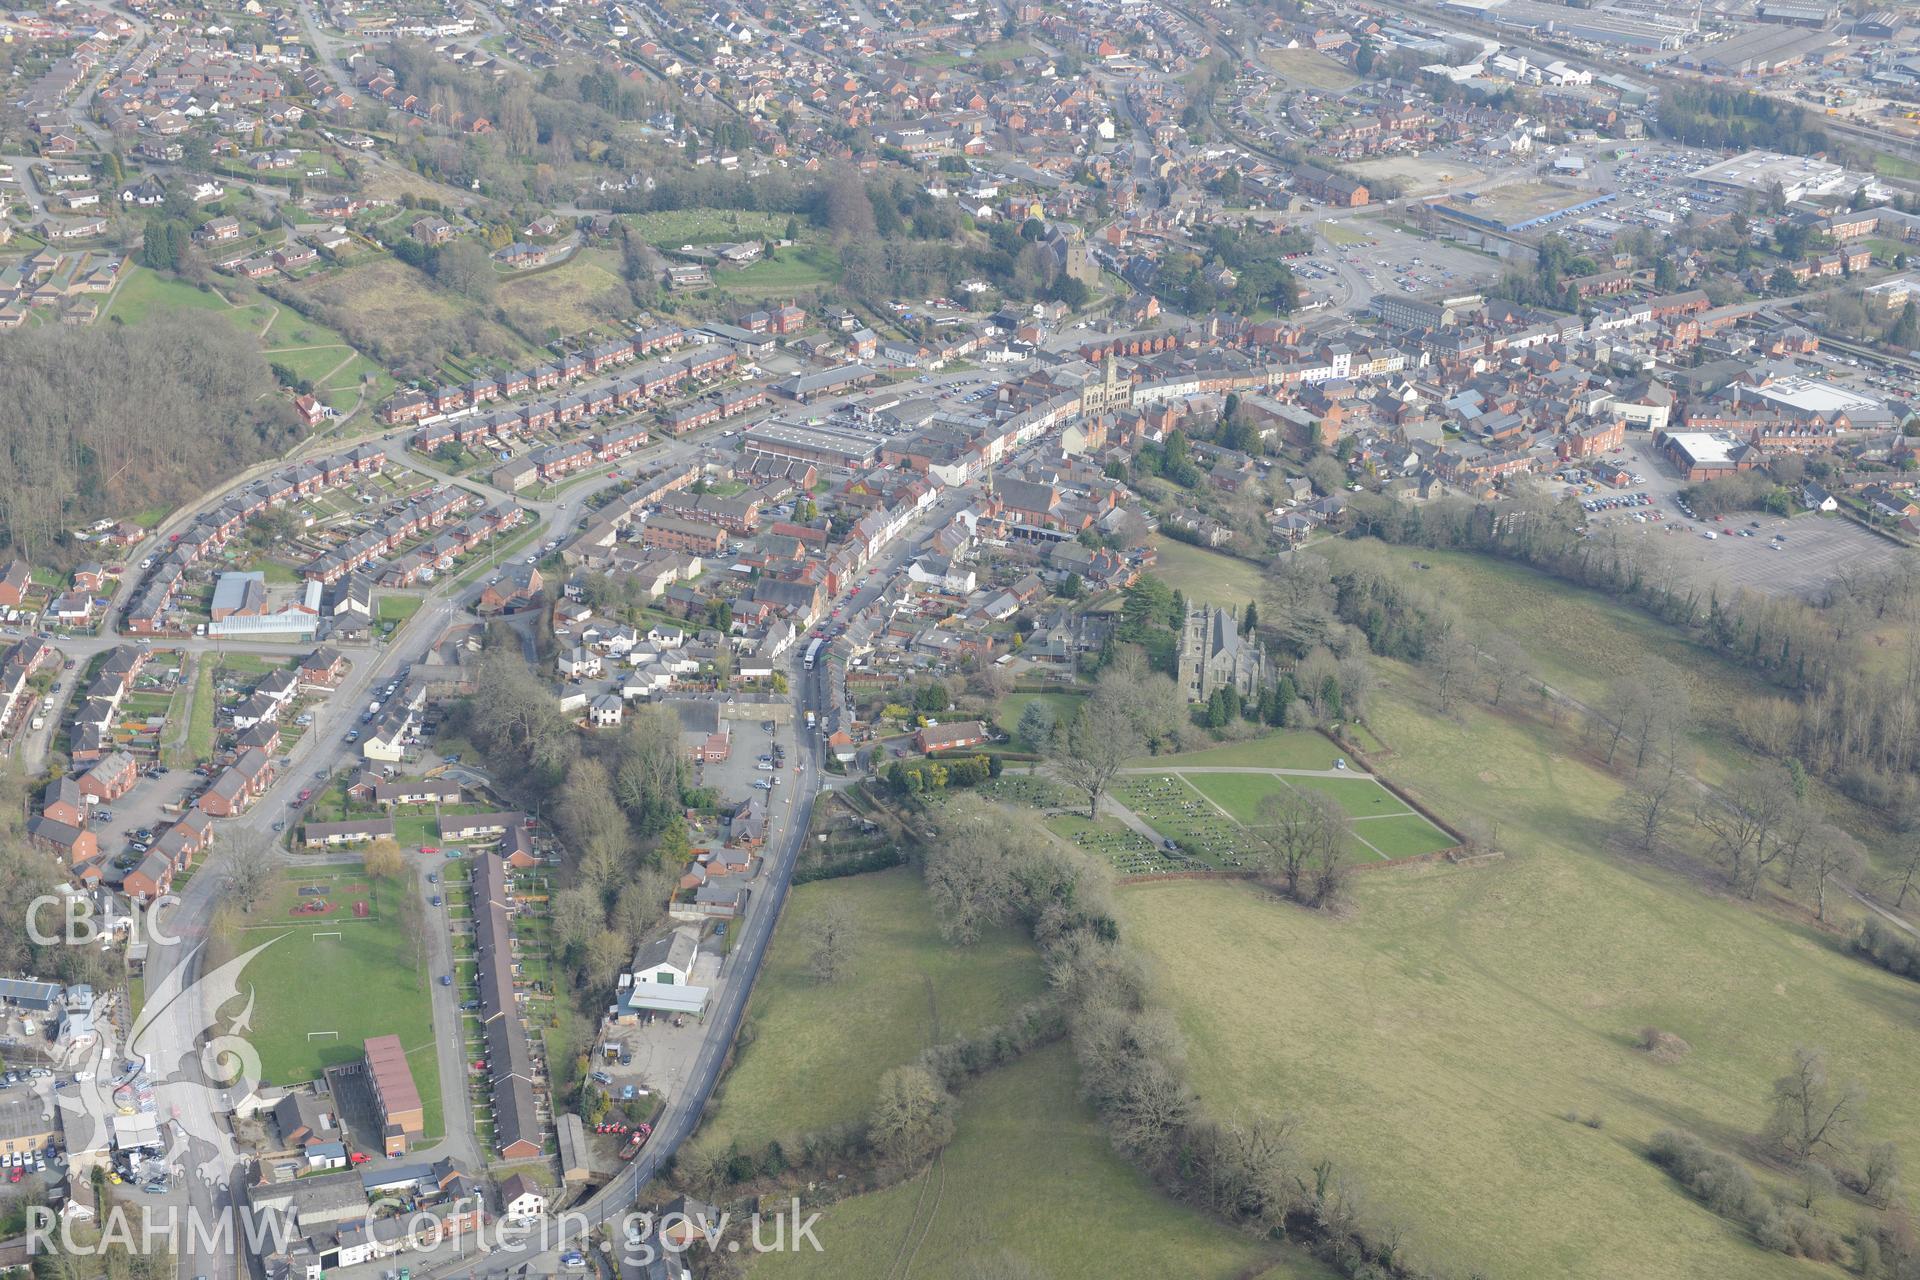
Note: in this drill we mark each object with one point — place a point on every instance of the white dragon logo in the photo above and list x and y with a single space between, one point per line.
227 1070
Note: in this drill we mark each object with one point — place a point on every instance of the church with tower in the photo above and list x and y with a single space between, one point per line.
1214 655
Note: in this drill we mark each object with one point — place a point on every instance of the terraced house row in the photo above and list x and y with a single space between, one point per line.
99 703
645 384
396 531
519 1132
155 600
414 405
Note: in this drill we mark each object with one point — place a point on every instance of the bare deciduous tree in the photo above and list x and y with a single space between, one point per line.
1507 664
1304 834
1329 873
1450 664
383 860
1659 710
1880 1178
606 953
834 939
1095 746
1812 1114
1745 820
913 1117
249 872
969 875
1909 871
1830 854
1299 602
1648 809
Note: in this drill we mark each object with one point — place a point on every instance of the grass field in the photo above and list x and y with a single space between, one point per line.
313 364
1240 794
143 292
1477 1006
1310 70
1553 621
1888 166
1360 797
1002 51
1343 233
371 985
1403 837
578 295
793 270
1029 1174
1065 707
397 607
819 1049
669 229
1289 749
384 303
200 728
1556 624
1208 577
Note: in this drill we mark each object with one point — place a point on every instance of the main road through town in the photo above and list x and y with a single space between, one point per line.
177 1033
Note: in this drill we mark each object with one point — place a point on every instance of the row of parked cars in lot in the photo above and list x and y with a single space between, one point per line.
1719 526
18 1164
1618 502
21 1163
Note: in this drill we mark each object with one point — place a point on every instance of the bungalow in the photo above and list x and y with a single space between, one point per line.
948 737
418 791
719 901
462 828
294 255
325 835
1889 503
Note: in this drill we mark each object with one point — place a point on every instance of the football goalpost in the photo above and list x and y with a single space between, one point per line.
331 933
322 1035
